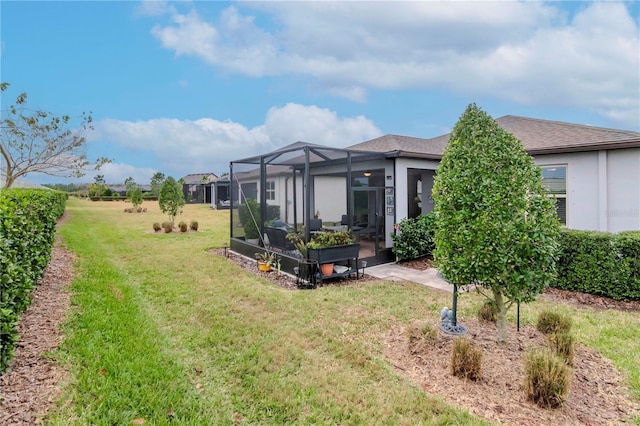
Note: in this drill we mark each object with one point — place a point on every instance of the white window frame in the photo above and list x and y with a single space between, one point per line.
566 185
271 190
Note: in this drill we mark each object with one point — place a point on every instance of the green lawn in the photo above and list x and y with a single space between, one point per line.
163 330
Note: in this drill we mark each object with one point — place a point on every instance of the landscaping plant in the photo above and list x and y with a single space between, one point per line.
171 198
414 237
466 359
547 379
495 226
563 345
421 337
553 322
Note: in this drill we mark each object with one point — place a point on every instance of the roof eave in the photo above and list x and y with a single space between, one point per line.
585 147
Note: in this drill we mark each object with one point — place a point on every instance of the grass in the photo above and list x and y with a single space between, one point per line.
163 330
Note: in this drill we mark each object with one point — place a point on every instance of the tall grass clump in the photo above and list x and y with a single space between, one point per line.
421 337
193 225
547 379
466 359
488 312
563 345
550 322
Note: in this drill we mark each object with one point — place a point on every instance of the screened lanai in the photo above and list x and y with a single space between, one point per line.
308 188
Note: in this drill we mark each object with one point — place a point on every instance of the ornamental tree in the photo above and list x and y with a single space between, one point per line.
495 226
156 183
38 141
171 198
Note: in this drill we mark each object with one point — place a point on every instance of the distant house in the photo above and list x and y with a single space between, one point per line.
199 187
122 189
593 172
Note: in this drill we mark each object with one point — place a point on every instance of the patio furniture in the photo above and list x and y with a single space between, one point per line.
278 239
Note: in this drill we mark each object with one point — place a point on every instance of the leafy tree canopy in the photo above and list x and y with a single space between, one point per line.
171 198
496 227
38 141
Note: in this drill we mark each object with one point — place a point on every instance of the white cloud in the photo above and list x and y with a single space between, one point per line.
528 52
194 146
116 173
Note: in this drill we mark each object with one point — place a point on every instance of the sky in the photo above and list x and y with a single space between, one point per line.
186 87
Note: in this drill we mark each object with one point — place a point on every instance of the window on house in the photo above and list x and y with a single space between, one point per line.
271 190
554 179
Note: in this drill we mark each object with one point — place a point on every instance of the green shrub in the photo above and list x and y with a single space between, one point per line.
466 359
249 214
414 237
421 337
183 226
563 345
547 379
488 312
193 225
27 232
156 227
553 322
600 263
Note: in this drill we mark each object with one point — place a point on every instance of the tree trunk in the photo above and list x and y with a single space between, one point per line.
501 322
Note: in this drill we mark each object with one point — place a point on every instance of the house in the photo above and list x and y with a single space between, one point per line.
199 187
593 172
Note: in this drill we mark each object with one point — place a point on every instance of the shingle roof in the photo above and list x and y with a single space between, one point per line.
196 178
537 136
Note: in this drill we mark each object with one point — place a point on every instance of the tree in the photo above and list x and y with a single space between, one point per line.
171 198
38 141
134 194
156 183
99 187
136 197
495 226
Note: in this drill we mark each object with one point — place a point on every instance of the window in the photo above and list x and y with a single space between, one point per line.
271 190
554 179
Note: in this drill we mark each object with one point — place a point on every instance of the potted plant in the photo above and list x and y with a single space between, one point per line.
266 260
330 247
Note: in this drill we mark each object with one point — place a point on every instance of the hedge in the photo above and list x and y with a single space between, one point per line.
600 263
27 232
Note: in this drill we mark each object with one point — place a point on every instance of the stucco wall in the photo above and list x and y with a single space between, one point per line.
603 188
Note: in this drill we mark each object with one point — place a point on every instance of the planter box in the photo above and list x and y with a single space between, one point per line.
334 254
347 254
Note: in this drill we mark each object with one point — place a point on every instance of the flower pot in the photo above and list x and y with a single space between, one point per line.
327 269
264 267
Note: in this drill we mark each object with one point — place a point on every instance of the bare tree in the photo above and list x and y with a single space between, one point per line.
38 141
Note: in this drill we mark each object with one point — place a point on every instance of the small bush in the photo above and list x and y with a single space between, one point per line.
553 322
167 227
193 225
547 379
156 227
466 359
139 209
183 226
563 345
421 337
488 312
414 237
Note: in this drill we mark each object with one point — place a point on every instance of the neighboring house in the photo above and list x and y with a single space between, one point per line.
593 172
21 183
199 187
122 189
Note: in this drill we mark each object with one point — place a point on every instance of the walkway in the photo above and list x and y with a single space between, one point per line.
395 272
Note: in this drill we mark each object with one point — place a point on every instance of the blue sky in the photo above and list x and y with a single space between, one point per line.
186 87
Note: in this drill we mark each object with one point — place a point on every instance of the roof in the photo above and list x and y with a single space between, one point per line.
21 183
196 178
537 136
